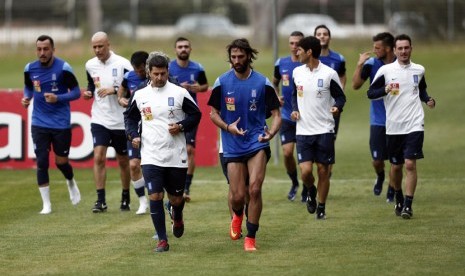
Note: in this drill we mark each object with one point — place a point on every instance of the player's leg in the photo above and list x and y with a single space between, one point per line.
101 138
42 141
137 180
306 154
287 134
237 172
190 147
119 143
175 189
325 157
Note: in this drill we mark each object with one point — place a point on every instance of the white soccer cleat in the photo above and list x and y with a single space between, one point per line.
142 206
74 194
46 209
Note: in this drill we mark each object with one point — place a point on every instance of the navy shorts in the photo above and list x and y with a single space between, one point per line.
46 138
287 132
158 178
133 153
190 136
405 146
109 138
378 144
247 157
316 148
224 166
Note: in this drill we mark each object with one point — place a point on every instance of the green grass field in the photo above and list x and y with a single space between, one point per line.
361 235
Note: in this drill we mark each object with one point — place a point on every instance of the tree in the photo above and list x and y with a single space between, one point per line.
94 15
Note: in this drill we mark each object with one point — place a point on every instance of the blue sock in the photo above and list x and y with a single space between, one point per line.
251 229
293 177
158 218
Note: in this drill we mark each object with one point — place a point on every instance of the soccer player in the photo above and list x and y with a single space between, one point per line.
367 66
317 99
132 81
52 84
334 60
191 76
283 73
165 111
239 102
402 84
104 75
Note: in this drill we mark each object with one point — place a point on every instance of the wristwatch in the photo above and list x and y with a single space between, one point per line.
181 127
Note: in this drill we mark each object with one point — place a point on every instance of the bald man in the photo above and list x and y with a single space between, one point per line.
105 73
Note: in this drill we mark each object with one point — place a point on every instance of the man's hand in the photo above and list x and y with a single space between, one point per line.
295 115
136 142
87 95
431 103
26 102
50 97
232 128
364 57
103 92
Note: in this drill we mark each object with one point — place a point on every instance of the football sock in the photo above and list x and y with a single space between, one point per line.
66 170
321 207
178 211
312 191
139 187
45 194
158 218
408 201
381 176
188 181
293 177
399 196
101 195
125 195
251 229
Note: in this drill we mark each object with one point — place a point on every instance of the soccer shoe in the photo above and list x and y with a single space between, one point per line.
162 246
390 195
186 196
406 213
311 204
46 209
178 228
168 208
378 186
74 194
99 207
142 206
320 214
398 208
292 192
249 244
155 237
236 227
125 205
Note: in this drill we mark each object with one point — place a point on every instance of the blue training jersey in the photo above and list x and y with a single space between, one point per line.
246 99
335 61
377 108
58 79
283 71
193 73
132 82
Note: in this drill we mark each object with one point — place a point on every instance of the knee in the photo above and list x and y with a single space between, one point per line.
255 193
156 196
42 162
410 165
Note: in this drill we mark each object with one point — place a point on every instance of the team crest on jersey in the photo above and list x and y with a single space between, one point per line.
36 84
54 83
285 80
230 104
147 113
114 72
253 105
170 101
320 82
300 90
254 93
415 79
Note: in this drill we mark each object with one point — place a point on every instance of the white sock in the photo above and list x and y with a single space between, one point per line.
74 194
47 205
139 183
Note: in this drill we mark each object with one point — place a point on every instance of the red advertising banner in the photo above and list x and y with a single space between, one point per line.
16 147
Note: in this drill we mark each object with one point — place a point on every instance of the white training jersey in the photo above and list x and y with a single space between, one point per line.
404 112
160 107
106 111
314 99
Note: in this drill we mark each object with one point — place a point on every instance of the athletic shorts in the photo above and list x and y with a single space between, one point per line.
245 158
171 179
46 138
316 148
378 146
190 136
405 146
116 138
133 153
287 132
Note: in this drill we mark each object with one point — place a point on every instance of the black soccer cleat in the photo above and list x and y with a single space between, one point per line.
99 207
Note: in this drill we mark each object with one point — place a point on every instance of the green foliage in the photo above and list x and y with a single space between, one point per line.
361 236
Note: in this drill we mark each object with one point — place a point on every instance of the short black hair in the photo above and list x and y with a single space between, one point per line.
313 43
46 37
157 59
297 33
322 26
139 58
386 38
181 38
403 37
243 44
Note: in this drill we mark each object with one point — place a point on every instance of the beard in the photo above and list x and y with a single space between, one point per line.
183 56
241 68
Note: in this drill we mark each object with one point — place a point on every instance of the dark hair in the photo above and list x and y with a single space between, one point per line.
139 58
243 44
403 37
158 60
46 37
313 43
386 38
181 38
297 33
322 26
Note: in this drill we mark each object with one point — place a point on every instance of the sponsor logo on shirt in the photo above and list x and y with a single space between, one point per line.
147 113
230 104
36 84
300 90
285 80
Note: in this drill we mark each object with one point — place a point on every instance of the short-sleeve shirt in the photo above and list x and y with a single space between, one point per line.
194 72
283 71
